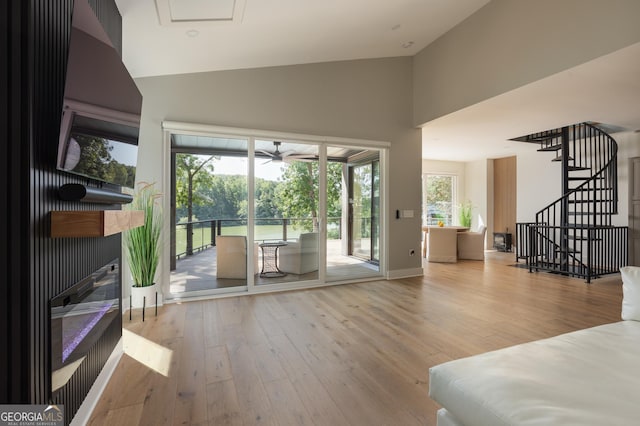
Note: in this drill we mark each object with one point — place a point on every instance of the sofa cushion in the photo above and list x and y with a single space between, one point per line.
631 292
586 377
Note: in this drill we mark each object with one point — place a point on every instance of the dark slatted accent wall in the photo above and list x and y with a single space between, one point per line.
9 212
4 215
34 266
15 204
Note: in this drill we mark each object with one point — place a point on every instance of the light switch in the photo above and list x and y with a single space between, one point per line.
407 213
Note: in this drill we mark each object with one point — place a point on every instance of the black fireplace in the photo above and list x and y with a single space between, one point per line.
79 317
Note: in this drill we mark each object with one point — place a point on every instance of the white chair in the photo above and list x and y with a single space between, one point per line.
441 245
301 256
231 256
471 244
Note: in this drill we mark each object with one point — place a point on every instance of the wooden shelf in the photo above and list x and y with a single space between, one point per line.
93 223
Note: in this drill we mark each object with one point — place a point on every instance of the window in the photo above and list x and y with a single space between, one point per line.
438 199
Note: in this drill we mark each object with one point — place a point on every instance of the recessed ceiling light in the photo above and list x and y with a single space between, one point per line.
193 33
407 44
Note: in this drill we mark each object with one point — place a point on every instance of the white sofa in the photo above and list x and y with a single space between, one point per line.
300 257
587 377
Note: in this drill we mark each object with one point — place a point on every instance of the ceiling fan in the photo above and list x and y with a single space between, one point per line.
287 156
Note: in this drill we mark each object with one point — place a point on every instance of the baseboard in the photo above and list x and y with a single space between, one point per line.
86 409
404 273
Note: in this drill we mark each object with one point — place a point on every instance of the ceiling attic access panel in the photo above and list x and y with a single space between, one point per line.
189 12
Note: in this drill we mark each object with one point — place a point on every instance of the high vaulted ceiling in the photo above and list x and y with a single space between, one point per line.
162 37
183 36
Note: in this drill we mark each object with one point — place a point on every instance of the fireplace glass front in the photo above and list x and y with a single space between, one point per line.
79 317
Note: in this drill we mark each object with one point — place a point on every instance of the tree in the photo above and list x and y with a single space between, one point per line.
194 173
266 206
297 193
96 161
95 154
334 189
229 193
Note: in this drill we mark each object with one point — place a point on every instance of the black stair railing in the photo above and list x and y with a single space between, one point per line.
569 232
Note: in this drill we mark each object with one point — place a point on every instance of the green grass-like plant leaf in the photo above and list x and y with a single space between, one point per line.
142 243
464 214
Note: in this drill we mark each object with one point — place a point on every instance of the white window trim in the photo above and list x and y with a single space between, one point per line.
251 135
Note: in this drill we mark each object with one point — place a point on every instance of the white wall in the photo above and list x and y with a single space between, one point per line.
367 99
539 183
507 44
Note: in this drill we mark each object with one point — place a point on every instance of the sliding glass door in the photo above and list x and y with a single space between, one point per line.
251 213
287 211
210 243
353 228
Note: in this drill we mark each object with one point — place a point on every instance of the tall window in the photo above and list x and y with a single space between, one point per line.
438 199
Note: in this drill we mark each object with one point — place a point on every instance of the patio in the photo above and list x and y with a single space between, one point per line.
198 272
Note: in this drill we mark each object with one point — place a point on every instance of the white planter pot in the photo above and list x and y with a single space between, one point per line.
139 294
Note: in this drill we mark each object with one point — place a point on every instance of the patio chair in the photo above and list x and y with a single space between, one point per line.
301 256
231 256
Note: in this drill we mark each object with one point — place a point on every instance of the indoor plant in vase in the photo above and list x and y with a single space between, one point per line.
464 214
142 245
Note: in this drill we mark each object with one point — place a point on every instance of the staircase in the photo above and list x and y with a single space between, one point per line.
573 235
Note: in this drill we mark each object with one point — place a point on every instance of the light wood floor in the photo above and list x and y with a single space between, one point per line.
355 354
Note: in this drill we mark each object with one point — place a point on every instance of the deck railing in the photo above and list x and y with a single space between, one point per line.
204 232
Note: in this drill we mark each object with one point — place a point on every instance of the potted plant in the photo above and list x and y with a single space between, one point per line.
142 245
464 214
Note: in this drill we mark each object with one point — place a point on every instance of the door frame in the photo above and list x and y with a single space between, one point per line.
169 127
